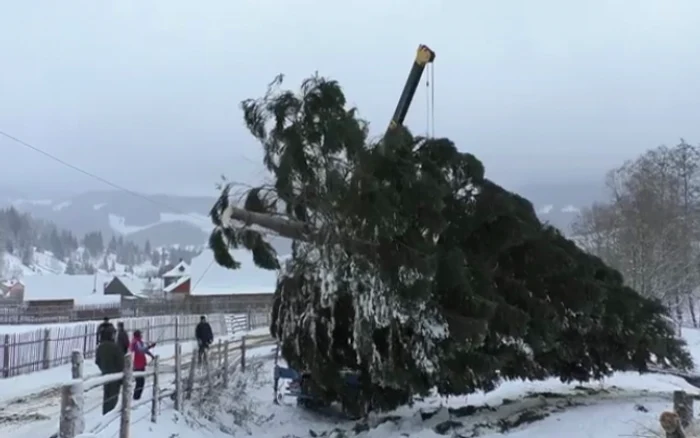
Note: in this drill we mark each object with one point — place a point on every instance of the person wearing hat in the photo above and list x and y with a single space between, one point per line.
205 336
140 351
104 327
109 359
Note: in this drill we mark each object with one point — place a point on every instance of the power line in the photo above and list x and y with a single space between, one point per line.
94 176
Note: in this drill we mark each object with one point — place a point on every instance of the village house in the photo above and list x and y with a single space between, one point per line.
50 294
12 289
207 285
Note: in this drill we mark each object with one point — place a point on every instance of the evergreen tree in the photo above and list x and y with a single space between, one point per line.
147 247
414 270
70 268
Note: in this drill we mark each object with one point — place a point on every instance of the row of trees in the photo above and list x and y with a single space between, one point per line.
21 234
649 228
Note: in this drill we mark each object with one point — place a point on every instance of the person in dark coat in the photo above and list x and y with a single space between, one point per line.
204 336
109 359
122 338
104 327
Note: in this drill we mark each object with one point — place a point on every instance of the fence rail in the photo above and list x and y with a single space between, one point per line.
44 348
40 312
227 357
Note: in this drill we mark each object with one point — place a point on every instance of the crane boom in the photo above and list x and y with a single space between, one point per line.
424 56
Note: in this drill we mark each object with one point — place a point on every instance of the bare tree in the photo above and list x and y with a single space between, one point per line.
650 224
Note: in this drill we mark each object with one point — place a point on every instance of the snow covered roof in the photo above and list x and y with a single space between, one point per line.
137 285
178 270
80 288
209 278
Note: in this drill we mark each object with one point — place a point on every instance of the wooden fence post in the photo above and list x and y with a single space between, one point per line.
46 353
156 391
76 364
71 422
250 320
218 353
6 357
148 330
226 364
683 406
190 378
178 376
85 340
127 394
243 353
177 327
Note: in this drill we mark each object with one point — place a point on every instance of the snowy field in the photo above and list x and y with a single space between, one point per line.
625 405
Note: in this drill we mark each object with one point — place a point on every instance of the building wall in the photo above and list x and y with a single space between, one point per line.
184 288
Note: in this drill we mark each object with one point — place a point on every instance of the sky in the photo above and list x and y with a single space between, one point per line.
146 93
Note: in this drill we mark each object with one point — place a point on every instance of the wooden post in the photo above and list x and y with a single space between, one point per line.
46 353
71 422
76 364
6 357
85 339
190 378
127 394
243 353
177 327
178 376
226 364
156 390
210 383
147 334
218 353
250 320
683 406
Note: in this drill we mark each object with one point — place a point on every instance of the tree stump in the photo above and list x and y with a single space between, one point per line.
671 424
683 406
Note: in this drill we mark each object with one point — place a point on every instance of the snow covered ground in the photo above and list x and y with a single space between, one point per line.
29 404
627 404
624 405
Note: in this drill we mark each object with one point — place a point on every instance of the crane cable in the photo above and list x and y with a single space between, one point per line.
430 101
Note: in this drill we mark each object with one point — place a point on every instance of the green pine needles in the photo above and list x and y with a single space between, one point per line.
412 269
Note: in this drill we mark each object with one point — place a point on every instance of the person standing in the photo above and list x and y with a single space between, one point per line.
140 350
122 338
109 359
204 336
104 327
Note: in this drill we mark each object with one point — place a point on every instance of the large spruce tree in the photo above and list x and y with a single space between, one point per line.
413 269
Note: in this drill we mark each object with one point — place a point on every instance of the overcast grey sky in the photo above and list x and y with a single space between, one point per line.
146 93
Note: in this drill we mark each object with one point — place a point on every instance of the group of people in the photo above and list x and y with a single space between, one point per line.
113 344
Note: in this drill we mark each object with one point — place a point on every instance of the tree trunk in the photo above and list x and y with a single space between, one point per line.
691 309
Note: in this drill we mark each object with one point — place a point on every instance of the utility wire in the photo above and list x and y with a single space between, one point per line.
94 176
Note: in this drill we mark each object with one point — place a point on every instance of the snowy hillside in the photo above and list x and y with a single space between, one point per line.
44 262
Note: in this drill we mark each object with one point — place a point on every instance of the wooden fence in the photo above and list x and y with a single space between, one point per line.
41 349
13 312
227 357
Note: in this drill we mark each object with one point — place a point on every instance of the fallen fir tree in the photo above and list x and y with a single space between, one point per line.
411 268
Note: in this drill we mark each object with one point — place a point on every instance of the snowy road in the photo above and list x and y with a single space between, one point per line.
21 415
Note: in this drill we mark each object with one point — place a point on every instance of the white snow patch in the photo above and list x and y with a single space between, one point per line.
118 223
32 201
546 209
62 205
570 209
